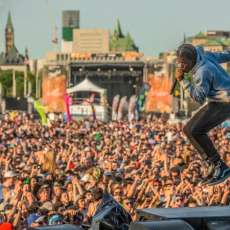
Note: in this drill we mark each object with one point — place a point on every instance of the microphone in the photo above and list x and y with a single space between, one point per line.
173 87
178 65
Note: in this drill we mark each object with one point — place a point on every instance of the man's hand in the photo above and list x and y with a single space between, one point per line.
179 74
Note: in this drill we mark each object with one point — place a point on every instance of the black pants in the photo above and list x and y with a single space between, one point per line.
207 117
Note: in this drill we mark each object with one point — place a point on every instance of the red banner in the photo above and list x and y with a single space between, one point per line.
159 98
53 91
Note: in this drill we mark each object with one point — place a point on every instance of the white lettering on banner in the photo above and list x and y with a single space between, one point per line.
80 110
86 110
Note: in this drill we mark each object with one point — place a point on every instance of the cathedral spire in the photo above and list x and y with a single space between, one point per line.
9 21
118 31
9 34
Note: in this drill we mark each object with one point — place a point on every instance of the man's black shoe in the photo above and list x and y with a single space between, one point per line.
220 175
211 171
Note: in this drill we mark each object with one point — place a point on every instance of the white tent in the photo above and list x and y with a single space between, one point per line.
86 85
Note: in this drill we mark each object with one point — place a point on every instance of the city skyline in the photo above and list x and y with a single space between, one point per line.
155 26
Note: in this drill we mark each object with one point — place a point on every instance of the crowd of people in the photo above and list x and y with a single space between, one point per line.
58 173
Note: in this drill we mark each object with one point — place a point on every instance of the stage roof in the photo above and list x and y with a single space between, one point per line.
86 85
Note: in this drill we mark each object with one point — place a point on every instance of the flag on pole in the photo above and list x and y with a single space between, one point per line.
132 107
141 99
93 112
115 106
54 36
68 103
90 101
123 108
41 111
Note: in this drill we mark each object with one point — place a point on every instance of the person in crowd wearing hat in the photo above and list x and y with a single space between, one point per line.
8 186
211 84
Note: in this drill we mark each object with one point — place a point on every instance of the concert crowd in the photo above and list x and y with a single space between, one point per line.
58 173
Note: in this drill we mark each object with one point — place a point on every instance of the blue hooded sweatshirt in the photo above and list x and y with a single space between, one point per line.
210 80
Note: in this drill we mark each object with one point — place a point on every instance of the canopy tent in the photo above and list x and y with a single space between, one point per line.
86 85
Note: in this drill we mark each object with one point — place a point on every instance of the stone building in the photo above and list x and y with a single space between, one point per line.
120 42
12 60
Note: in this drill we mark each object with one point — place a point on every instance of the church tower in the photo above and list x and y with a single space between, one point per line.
9 34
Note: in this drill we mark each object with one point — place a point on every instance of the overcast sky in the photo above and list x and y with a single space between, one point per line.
156 25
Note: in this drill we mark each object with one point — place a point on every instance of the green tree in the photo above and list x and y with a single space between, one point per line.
6 81
19 84
32 80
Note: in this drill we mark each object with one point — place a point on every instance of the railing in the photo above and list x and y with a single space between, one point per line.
79 101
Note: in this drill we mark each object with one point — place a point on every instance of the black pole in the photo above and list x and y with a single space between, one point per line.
173 86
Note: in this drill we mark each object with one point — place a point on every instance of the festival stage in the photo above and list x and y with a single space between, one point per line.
185 213
201 218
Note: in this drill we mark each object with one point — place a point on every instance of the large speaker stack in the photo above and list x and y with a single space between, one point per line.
161 225
203 218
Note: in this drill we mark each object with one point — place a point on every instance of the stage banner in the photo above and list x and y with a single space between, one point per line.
41 111
68 102
53 91
159 98
115 105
